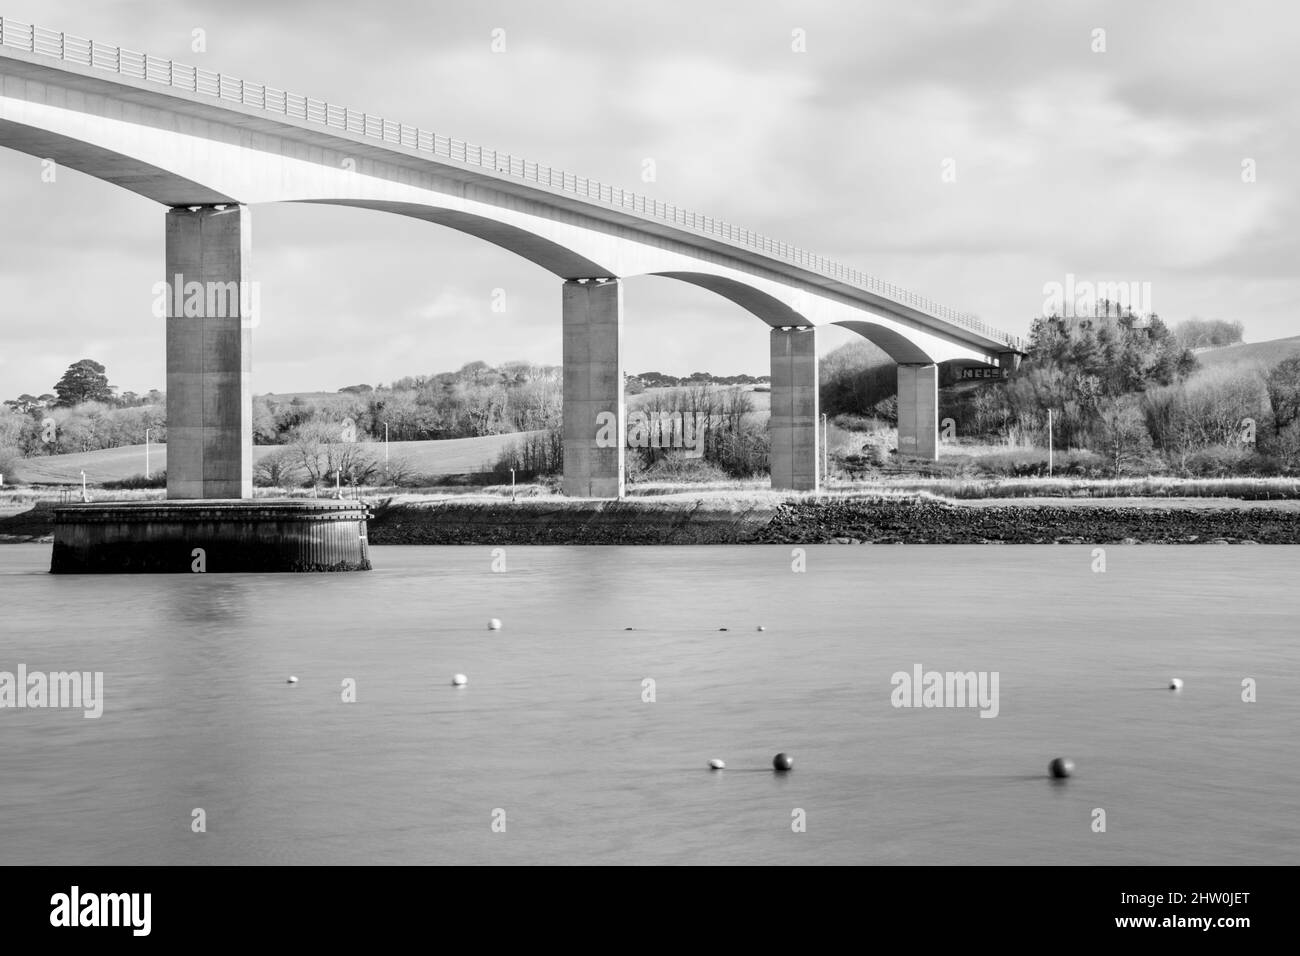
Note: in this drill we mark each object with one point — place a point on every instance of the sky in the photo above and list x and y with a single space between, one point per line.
973 153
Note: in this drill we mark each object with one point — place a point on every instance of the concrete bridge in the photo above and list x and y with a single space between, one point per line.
209 146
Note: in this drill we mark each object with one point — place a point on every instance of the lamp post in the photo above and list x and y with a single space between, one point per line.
84 496
1049 443
385 451
146 452
826 450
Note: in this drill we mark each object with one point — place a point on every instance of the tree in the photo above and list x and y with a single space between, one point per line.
323 450
281 468
1283 385
1124 432
84 381
1197 333
24 403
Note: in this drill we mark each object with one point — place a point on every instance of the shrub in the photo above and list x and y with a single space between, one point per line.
281 468
677 467
10 456
156 480
1217 461
1019 463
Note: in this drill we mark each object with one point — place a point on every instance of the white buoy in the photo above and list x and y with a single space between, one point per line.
292 680
459 680
1176 684
494 624
761 627
717 764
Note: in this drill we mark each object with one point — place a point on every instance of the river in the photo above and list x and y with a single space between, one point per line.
558 750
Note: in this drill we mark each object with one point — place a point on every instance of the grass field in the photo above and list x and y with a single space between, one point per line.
1265 353
456 456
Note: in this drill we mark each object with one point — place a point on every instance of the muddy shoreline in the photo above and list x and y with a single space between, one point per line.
858 520
844 521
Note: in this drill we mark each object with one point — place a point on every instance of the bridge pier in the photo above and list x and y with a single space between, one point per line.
215 528
918 411
209 354
594 419
793 429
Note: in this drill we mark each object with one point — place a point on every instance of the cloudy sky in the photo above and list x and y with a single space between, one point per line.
1122 165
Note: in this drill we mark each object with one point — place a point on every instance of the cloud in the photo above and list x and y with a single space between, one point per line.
1114 166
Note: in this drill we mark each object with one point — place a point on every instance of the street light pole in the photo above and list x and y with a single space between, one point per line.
385 451
1049 443
146 452
826 449
84 496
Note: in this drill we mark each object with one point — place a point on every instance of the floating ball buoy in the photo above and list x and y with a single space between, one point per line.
494 624
717 764
292 680
1061 767
459 680
782 762
1176 684
761 627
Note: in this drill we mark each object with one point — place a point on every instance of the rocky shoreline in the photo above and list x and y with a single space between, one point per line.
929 521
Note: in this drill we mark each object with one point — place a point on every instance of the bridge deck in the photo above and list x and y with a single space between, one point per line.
78 56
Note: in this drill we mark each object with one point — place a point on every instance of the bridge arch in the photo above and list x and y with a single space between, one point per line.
900 348
555 257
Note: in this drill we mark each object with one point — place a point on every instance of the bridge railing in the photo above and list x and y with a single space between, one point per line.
78 50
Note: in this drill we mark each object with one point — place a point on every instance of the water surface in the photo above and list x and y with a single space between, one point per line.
553 729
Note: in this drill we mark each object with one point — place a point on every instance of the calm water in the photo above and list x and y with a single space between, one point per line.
553 730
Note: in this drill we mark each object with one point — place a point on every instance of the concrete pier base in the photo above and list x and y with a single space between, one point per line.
212 536
918 412
594 420
794 429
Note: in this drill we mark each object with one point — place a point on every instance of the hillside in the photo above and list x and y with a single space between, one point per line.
454 456
1266 353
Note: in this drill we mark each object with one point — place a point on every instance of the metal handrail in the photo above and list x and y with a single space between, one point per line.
192 79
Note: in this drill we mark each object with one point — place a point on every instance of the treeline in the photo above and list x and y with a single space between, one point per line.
89 426
477 400
1127 394
640 382
1131 393
1209 333
84 381
701 432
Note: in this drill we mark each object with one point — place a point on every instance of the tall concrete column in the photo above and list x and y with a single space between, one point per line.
794 429
594 420
918 411
209 354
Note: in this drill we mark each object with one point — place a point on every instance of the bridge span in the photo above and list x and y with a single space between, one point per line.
209 146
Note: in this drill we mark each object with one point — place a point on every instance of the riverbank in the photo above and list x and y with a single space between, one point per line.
845 520
770 518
